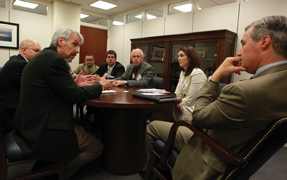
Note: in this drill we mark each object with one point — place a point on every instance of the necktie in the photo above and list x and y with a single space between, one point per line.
89 71
134 74
109 72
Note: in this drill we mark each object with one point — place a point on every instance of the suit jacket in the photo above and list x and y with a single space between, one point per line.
146 72
117 71
84 67
10 79
243 109
43 122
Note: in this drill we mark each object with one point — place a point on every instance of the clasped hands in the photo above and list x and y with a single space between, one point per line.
89 80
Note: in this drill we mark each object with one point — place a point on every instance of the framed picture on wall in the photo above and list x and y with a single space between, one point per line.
9 35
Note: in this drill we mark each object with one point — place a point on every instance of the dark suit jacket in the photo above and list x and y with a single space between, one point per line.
10 78
146 72
43 122
117 71
243 109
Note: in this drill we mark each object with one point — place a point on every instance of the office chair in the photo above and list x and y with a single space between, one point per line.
10 153
241 166
157 82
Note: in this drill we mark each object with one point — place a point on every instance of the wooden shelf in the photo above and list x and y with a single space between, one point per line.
220 42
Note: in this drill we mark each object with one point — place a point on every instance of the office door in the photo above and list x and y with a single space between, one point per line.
95 43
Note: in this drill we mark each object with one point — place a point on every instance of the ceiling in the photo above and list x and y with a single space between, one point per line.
126 5
123 6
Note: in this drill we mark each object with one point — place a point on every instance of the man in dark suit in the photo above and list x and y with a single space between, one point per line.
10 78
113 68
43 122
243 108
138 74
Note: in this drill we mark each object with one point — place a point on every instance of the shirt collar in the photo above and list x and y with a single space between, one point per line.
24 58
259 70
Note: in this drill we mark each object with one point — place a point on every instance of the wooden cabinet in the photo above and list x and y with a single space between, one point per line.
161 52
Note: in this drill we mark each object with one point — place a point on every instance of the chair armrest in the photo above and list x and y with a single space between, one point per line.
223 152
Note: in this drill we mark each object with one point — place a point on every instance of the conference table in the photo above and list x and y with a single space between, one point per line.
124 129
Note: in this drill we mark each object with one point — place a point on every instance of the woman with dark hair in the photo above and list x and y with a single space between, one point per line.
190 82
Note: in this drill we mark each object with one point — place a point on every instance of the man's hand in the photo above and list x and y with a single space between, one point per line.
107 84
97 77
229 65
120 82
82 80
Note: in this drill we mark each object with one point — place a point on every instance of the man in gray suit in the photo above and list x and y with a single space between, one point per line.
243 109
138 74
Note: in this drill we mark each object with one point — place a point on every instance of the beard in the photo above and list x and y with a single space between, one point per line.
71 57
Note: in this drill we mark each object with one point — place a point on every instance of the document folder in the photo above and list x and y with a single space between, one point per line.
156 97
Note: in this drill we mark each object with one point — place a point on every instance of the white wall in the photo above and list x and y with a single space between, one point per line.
174 26
233 17
41 27
251 11
116 43
4 53
66 15
31 26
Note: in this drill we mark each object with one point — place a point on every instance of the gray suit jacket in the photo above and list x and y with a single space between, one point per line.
84 67
146 72
242 111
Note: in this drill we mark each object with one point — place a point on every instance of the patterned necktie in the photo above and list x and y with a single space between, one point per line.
89 71
134 74
109 72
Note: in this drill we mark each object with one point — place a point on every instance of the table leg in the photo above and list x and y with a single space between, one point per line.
124 135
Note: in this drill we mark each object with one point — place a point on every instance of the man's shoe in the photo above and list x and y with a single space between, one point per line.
39 165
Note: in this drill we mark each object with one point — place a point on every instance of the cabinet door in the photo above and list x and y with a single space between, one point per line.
174 66
207 52
157 58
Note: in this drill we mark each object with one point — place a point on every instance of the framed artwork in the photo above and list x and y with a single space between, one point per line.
9 35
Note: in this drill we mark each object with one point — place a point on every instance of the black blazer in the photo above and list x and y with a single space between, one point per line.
117 71
43 123
10 79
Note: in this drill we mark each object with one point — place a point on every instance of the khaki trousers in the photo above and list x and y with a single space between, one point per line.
89 149
160 130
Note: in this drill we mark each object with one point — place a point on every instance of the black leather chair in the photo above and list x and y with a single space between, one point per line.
157 82
241 166
10 153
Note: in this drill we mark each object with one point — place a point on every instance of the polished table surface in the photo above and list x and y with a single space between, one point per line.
122 98
124 129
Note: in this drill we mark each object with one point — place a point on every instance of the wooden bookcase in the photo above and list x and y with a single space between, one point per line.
161 52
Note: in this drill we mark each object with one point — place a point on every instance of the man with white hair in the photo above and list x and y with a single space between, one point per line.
138 74
43 123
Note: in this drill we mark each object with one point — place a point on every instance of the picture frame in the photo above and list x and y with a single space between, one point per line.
9 35
201 54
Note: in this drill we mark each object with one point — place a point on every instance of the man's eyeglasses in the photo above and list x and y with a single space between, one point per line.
36 50
89 60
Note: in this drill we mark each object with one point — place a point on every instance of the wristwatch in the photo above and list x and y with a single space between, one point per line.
209 79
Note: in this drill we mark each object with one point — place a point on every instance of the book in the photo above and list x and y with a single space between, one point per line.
155 97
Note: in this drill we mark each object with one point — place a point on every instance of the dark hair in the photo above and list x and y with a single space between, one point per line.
90 55
193 57
112 52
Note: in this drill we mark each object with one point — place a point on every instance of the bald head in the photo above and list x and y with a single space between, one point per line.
29 48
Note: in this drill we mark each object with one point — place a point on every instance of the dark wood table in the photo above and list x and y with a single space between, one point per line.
124 129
